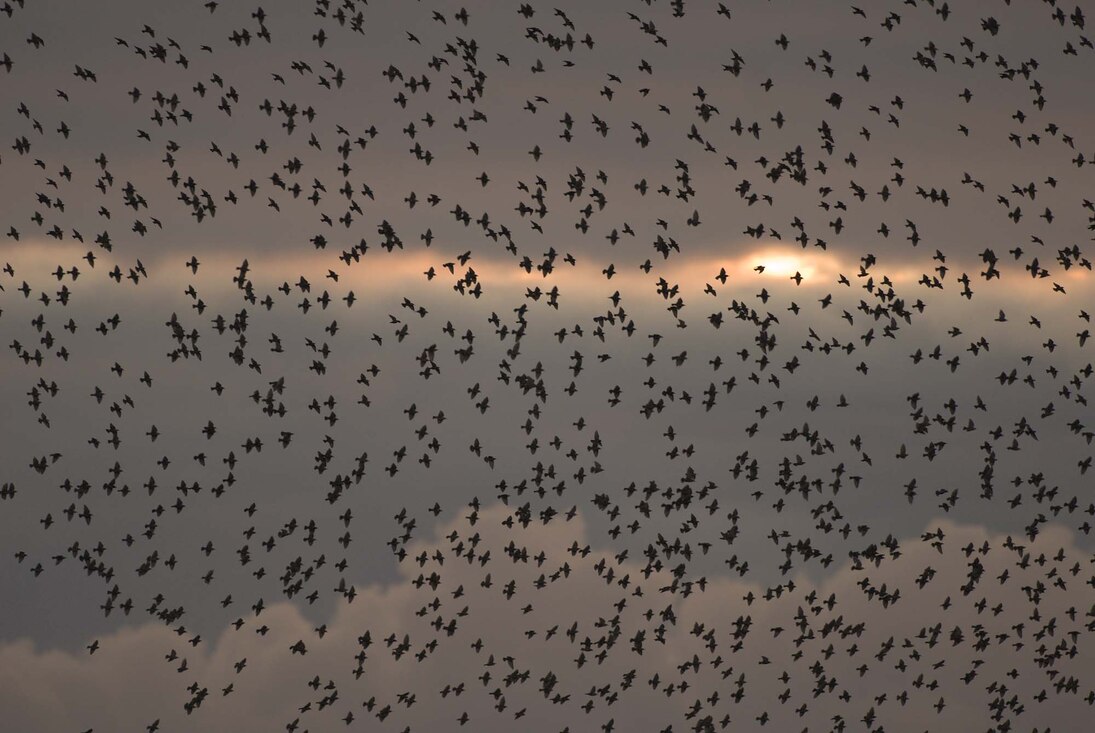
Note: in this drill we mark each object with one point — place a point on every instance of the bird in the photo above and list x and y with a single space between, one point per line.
494 460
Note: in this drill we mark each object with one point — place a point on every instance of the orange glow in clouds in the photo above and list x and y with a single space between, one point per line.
770 265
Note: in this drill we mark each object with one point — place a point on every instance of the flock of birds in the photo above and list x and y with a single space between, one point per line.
553 395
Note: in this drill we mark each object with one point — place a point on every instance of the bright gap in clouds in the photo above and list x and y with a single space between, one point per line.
784 262
783 265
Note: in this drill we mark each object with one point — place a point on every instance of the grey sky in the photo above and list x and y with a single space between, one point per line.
838 441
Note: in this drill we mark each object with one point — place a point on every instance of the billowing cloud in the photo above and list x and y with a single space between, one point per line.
501 621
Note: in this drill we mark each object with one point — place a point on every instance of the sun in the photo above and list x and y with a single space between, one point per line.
782 265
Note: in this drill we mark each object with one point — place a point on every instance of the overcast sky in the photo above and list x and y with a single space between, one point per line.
753 305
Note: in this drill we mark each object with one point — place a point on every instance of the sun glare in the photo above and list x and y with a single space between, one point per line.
783 265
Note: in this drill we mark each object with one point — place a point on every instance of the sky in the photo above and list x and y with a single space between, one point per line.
659 322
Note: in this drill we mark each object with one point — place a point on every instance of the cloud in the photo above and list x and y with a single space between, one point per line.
993 648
